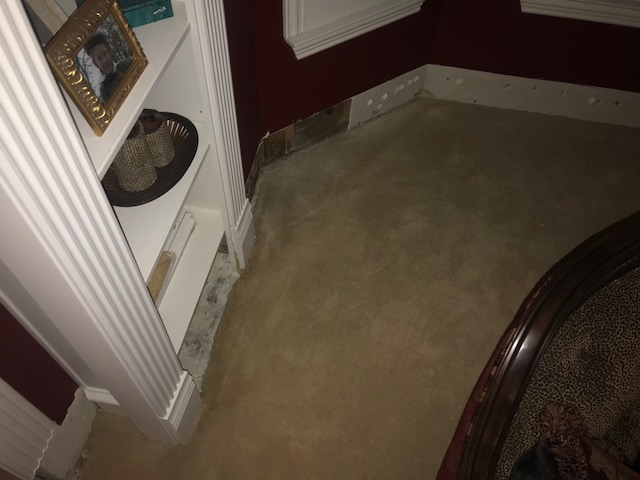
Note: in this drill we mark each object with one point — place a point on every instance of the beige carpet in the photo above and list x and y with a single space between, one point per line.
389 261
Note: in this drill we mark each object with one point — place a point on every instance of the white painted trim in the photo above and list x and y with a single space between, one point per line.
308 34
100 396
66 445
24 433
217 68
66 252
66 248
245 235
617 12
594 104
183 412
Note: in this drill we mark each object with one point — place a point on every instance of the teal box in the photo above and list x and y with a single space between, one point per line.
141 12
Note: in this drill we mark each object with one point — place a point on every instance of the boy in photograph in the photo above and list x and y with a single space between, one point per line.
99 50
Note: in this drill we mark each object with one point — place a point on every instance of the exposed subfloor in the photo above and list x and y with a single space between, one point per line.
198 342
389 260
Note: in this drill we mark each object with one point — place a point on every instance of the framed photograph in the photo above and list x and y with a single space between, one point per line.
97 59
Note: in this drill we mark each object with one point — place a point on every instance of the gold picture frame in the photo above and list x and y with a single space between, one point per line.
79 56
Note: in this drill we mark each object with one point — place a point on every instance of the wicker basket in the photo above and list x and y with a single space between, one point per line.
133 165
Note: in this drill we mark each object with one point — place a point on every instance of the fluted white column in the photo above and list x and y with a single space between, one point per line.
63 245
213 34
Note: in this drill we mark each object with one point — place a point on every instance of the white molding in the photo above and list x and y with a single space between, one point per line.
24 433
308 32
219 82
100 396
594 104
66 252
183 412
66 445
617 12
66 248
245 235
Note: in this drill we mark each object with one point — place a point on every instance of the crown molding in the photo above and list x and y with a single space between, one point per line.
310 27
616 12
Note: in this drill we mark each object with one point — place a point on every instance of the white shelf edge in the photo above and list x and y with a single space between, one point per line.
160 41
186 284
146 226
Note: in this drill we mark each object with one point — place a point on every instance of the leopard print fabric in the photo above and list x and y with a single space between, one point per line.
592 364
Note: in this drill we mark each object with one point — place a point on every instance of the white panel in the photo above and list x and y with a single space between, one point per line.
180 300
66 445
24 433
336 22
617 12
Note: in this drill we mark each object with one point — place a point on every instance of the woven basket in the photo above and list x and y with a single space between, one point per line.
133 165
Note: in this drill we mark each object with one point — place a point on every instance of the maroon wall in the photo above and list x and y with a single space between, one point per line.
273 89
4 475
497 37
30 370
291 89
242 52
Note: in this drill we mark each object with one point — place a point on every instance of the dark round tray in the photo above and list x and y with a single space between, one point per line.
185 142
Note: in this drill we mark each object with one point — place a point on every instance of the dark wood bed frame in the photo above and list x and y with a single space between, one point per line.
474 451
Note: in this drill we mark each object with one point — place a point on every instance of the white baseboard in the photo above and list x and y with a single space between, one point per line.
244 236
65 447
540 96
103 399
184 409
182 413
386 97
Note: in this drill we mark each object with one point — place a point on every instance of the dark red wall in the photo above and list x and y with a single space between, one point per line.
496 37
273 89
242 52
291 89
30 370
4 475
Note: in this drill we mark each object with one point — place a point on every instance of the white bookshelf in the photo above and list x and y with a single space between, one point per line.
147 226
173 81
160 41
